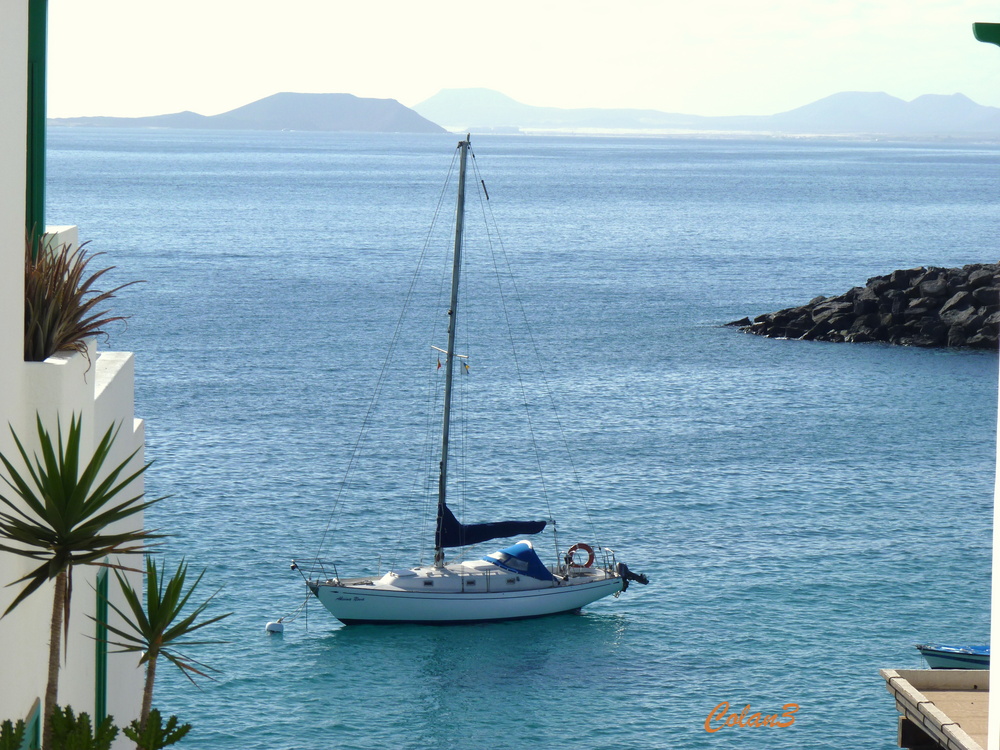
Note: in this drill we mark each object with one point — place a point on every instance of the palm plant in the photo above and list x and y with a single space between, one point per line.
59 303
60 514
157 629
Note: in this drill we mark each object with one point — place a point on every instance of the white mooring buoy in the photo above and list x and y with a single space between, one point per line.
275 627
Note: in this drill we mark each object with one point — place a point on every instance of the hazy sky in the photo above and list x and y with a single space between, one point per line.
706 57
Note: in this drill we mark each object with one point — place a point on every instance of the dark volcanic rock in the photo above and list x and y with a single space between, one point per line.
930 307
934 287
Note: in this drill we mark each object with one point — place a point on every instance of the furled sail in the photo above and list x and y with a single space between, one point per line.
452 533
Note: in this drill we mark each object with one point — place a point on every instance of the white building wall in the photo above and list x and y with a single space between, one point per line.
21 633
13 139
101 392
96 386
114 404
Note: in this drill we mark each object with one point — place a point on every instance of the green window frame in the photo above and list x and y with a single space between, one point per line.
101 649
35 152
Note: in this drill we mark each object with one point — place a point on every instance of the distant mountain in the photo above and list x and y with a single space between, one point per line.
849 113
479 110
879 113
484 109
286 111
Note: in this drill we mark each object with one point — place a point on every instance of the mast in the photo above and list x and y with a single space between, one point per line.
452 325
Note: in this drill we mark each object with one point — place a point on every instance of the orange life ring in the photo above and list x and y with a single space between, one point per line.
580 546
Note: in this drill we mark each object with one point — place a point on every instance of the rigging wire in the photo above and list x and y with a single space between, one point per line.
463 404
510 334
428 482
486 206
381 379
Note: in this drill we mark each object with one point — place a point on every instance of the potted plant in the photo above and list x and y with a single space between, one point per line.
60 301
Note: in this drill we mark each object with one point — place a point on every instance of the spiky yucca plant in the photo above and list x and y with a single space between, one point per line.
59 514
59 302
157 629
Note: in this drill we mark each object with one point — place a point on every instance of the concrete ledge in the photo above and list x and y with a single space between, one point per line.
947 706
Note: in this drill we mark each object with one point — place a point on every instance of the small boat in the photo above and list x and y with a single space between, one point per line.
940 656
508 584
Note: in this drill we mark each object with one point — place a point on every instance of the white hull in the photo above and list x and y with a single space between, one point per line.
375 603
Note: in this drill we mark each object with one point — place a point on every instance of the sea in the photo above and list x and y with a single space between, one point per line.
806 512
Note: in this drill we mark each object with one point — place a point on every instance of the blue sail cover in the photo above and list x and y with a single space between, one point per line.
521 558
453 533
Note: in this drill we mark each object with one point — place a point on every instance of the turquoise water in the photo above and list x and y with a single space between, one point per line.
806 512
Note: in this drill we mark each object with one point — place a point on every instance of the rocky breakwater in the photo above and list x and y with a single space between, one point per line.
930 307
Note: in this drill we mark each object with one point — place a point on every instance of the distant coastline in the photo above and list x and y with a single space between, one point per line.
861 115
848 114
285 111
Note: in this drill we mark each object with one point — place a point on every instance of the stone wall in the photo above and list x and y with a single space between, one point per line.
934 307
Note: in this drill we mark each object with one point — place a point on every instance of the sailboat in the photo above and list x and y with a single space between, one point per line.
508 584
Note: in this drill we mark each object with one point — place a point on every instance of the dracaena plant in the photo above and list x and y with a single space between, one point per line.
63 511
60 301
161 624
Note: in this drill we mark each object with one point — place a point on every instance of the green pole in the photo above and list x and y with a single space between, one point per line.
35 168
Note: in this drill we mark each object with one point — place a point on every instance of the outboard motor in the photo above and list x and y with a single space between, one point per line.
627 575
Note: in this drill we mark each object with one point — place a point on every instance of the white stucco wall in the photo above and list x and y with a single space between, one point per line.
24 651
13 138
97 386
101 392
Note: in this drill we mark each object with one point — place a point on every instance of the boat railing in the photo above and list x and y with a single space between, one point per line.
317 569
604 555
610 563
